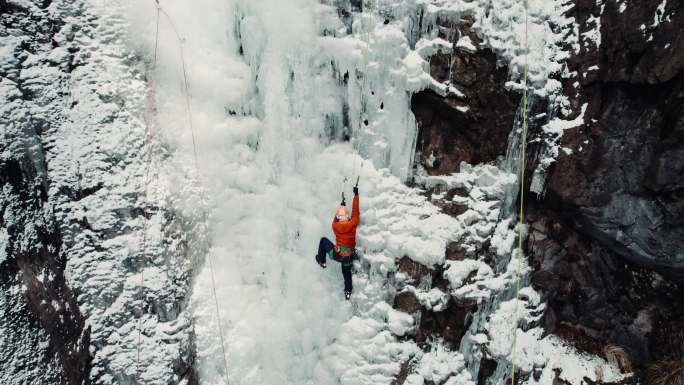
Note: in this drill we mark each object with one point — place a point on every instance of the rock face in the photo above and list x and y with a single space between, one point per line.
449 323
73 214
39 310
594 297
606 239
622 183
43 334
460 128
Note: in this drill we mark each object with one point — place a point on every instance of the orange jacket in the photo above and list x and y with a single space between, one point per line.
345 232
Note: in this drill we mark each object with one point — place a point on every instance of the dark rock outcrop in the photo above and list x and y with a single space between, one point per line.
594 298
472 128
448 324
607 239
622 183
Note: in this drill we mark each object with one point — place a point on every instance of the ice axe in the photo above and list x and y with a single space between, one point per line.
344 201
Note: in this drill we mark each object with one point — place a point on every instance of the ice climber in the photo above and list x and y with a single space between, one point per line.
343 250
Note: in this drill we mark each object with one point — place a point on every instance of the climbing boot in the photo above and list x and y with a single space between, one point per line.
321 264
347 295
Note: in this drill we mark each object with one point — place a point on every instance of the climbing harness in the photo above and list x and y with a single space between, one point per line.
344 251
521 217
186 87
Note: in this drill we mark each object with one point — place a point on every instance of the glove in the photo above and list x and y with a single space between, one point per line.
356 190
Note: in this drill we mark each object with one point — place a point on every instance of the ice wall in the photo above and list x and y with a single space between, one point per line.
283 95
273 87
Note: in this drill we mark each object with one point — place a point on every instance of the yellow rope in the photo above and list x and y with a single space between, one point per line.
521 217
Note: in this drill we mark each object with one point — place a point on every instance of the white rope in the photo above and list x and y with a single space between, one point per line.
186 84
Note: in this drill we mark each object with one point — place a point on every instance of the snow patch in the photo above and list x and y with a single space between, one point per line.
466 44
4 244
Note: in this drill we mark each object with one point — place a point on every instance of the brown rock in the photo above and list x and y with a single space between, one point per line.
476 135
594 298
449 324
454 252
407 302
416 272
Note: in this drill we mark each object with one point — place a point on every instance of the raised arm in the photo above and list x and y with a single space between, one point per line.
356 212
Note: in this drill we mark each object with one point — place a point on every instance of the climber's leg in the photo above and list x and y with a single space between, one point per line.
347 274
324 247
